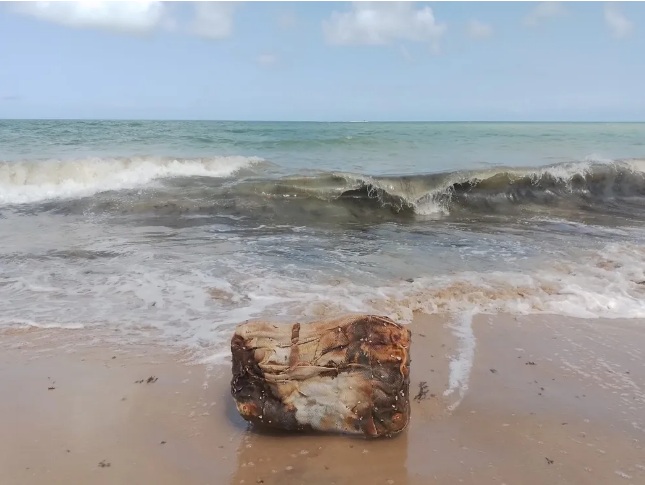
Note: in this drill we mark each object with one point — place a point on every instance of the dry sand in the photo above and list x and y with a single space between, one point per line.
548 400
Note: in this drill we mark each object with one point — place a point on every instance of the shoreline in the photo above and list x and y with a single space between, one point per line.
528 399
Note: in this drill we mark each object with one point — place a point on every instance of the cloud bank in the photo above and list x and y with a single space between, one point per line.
382 23
364 23
123 17
210 20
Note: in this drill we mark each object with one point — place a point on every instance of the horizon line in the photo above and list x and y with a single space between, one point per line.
320 121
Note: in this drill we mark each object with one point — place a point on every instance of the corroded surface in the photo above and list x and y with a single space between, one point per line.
345 375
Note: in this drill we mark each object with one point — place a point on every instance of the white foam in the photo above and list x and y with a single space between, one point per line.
191 295
462 363
636 164
427 206
562 171
219 358
34 181
598 158
21 323
602 283
622 474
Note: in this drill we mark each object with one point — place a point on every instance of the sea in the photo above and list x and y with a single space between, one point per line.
173 232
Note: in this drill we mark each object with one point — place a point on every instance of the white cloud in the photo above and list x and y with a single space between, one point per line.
543 11
479 30
213 20
267 60
619 25
382 23
126 17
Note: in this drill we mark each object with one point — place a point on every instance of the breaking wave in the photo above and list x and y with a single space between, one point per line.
221 184
492 190
36 181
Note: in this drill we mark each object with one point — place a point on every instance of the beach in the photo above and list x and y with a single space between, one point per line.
169 172
510 399
130 250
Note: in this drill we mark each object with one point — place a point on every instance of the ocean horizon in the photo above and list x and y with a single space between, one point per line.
456 121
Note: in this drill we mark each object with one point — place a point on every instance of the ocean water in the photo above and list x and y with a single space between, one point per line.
174 231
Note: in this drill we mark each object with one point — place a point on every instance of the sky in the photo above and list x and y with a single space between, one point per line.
327 61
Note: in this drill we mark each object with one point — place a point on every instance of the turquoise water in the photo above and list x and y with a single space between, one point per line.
375 148
176 230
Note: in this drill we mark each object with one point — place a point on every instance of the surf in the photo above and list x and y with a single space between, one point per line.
256 188
31 181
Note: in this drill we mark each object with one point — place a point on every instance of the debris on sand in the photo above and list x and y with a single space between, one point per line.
423 391
149 380
288 376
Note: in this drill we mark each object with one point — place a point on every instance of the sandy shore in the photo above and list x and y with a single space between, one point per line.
529 400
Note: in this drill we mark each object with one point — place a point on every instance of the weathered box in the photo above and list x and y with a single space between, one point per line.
348 375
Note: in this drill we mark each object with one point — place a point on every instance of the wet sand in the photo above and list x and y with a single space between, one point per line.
546 400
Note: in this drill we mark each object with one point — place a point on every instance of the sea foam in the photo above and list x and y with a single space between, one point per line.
35 181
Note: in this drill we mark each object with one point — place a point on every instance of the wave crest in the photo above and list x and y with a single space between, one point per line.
498 189
239 186
35 181
492 190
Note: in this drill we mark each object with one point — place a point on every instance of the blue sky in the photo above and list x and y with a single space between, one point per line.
323 61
